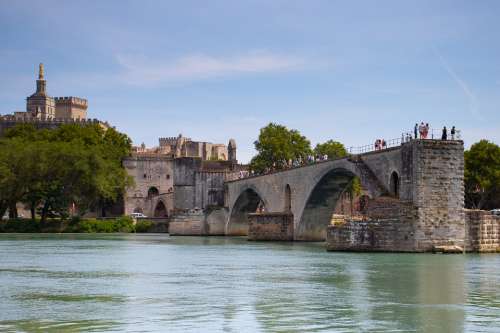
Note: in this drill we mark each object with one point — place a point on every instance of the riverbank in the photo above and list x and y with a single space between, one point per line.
121 224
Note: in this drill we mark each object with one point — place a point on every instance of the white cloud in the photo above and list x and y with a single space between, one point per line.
141 71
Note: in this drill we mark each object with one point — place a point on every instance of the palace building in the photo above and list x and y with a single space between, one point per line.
44 111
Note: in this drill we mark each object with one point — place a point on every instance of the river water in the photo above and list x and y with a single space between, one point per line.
138 283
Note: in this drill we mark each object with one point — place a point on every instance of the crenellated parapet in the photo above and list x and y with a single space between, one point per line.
9 121
77 101
171 141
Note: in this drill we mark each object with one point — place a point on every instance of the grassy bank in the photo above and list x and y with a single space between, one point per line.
76 225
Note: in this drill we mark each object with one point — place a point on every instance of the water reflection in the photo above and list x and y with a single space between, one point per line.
176 284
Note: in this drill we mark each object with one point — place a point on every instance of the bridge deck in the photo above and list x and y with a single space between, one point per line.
350 156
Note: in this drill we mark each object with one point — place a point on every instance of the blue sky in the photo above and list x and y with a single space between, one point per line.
352 71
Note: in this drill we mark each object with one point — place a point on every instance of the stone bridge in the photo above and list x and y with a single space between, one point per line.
425 173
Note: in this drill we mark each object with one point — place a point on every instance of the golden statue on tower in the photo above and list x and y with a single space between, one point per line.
40 71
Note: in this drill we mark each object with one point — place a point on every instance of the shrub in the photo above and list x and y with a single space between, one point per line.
124 224
20 225
143 226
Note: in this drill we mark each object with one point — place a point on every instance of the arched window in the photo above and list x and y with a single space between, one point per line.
395 184
153 192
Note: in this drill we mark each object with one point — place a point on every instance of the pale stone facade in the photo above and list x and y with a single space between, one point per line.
180 175
152 194
181 146
44 107
71 107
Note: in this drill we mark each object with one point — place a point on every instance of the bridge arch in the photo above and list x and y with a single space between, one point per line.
249 201
321 202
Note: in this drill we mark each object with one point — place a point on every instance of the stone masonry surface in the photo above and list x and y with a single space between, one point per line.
270 227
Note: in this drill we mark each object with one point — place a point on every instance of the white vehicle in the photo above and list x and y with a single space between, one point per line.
137 215
495 211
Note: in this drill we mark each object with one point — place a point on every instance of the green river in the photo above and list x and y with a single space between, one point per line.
158 283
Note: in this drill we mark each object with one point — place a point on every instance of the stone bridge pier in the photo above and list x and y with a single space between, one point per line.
428 174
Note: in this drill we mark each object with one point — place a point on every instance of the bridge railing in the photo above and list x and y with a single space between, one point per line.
372 147
433 134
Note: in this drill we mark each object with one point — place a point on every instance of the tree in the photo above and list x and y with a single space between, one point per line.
482 175
277 145
354 190
50 170
15 161
333 149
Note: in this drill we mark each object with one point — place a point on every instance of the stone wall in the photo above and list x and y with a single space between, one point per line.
270 227
389 235
388 224
149 173
438 192
483 231
199 223
9 121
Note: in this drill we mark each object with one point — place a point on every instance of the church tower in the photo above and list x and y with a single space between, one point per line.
40 105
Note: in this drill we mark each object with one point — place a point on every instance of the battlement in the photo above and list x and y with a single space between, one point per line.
71 100
166 141
30 120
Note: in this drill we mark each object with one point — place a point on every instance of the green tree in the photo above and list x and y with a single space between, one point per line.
482 175
15 162
333 149
277 145
354 190
53 169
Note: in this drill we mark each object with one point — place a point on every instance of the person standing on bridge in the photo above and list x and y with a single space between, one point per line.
445 134
421 129
415 130
452 132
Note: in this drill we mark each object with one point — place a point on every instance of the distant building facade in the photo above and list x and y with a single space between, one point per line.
44 111
181 146
179 175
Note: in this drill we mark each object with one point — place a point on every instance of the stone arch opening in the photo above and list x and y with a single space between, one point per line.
160 210
288 199
321 203
153 192
248 202
394 185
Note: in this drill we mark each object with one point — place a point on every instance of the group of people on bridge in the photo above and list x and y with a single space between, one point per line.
422 131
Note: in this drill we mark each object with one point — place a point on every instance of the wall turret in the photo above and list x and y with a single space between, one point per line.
231 151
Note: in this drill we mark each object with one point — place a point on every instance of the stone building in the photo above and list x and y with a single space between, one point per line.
181 146
42 106
44 111
178 176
